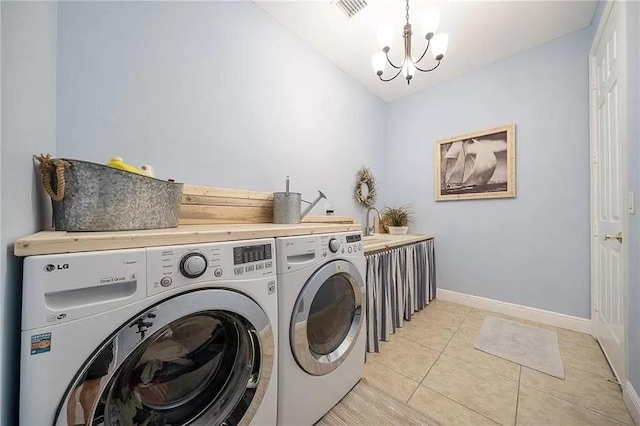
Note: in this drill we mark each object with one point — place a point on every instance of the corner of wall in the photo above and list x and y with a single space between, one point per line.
597 14
28 35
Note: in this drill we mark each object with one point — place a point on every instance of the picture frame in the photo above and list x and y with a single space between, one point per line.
477 165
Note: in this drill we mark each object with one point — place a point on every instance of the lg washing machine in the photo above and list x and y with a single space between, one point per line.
179 335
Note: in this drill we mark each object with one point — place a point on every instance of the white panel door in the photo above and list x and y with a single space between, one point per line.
609 191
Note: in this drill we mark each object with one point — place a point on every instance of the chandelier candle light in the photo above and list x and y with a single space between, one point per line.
437 42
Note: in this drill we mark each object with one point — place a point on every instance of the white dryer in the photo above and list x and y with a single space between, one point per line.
160 336
321 297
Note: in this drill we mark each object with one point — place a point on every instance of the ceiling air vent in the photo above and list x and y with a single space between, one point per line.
351 7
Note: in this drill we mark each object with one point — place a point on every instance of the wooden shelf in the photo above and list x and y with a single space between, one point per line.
54 242
346 219
381 242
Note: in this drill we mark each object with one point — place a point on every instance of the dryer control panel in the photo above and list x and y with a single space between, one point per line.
350 244
175 266
295 253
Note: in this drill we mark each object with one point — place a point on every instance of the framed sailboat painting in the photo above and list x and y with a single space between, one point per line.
476 165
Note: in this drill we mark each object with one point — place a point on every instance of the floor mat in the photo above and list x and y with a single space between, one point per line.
523 344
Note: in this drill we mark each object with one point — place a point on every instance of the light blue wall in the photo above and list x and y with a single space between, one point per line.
215 94
2 256
633 138
532 250
28 127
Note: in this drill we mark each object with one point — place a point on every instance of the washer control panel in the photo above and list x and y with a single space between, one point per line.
252 253
193 265
174 266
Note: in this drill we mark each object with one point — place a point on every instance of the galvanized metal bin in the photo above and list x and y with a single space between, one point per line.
101 198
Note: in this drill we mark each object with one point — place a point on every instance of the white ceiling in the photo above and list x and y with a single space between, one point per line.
480 32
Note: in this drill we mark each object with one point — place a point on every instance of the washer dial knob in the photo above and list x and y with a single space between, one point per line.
334 245
193 265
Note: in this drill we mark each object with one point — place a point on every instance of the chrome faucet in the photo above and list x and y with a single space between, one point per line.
368 230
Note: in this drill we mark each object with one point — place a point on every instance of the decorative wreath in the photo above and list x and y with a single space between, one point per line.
365 176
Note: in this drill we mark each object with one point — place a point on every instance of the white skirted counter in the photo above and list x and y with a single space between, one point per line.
401 279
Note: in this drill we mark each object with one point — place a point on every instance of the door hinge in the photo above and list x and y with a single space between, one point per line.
594 157
593 84
595 230
596 307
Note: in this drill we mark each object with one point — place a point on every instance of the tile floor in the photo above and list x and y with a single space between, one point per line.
431 364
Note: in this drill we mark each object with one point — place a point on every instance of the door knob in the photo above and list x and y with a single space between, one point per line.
618 237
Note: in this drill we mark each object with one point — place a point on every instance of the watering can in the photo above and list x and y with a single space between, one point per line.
287 206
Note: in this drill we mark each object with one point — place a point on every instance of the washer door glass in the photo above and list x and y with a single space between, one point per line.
331 315
178 364
327 317
193 362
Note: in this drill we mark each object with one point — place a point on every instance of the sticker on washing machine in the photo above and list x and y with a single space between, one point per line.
341 268
40 343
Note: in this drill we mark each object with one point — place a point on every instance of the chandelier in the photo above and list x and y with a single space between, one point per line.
409 65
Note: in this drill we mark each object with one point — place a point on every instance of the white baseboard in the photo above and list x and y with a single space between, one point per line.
582 325
632 400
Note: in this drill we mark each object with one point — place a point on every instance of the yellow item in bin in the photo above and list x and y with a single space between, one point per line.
117 163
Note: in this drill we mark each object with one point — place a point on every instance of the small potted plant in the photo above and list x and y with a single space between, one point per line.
396 219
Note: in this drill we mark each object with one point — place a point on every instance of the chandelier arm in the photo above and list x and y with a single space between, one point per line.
391 63
430 69
389 79
423 53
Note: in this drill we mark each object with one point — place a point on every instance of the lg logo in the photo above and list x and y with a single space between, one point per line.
51 268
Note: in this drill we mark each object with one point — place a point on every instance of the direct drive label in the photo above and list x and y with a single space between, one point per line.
40 343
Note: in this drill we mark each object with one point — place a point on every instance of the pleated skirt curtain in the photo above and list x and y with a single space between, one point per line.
399 282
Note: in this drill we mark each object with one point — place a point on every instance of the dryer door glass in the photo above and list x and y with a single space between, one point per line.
199 367
331 315
327 317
